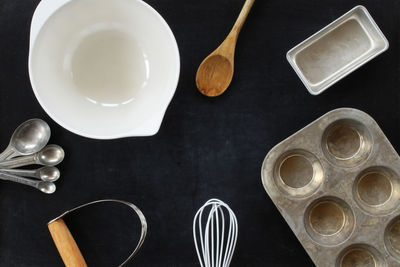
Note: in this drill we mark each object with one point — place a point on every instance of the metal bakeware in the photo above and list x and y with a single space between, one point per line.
336 182
337 50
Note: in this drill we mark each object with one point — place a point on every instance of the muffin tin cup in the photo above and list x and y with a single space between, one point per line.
329 221
392 238
298 173
336 182
360 255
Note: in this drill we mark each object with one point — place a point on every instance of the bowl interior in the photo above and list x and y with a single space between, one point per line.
102 68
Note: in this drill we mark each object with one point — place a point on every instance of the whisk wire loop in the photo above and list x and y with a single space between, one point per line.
216 249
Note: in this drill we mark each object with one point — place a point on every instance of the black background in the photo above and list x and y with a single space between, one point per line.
205 148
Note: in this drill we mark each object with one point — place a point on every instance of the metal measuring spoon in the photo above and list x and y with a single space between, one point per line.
46 173
45 187
49 156
30 137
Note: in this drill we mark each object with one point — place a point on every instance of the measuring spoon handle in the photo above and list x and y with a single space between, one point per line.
18 179
18 162
24 173
7 153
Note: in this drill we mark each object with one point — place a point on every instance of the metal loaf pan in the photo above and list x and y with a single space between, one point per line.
337 50
336 182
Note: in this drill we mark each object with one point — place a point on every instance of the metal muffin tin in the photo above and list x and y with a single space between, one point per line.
336 182
337 50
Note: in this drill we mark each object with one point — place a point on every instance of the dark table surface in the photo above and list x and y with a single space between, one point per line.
205 148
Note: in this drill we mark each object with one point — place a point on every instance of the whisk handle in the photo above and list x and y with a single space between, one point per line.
66 245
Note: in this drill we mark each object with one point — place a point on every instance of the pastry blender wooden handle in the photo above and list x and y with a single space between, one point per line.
66 245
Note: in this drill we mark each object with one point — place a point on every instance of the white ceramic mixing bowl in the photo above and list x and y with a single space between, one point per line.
103 69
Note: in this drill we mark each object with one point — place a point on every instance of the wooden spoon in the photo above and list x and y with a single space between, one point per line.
216 71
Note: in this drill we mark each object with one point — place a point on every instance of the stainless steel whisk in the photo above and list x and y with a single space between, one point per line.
215 248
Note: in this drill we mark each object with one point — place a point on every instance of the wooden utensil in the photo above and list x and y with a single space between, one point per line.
66 245
216 71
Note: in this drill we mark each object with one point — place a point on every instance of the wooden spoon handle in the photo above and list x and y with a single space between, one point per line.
242 16
66 245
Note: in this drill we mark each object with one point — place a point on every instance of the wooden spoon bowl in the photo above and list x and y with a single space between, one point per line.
214 75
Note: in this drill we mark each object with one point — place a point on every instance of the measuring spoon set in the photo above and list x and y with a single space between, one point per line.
29 146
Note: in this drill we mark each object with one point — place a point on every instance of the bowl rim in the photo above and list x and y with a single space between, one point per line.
154 120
